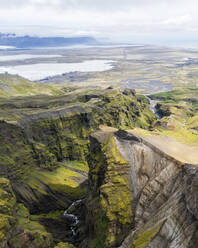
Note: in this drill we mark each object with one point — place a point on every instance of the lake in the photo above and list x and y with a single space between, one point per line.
40 71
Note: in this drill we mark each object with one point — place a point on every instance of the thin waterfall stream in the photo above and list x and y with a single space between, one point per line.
72 216
153 104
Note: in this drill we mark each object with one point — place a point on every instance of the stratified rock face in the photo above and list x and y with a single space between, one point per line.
161 195
44 145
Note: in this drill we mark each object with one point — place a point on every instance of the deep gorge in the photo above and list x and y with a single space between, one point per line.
74 175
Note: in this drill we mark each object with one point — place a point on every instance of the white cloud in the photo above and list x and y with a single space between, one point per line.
178 20
111 18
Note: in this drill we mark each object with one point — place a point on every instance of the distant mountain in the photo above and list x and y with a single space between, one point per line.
34 41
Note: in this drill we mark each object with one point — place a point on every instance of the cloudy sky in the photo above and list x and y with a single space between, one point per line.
122 20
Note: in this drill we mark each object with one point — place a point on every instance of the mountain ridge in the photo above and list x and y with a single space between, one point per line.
38 41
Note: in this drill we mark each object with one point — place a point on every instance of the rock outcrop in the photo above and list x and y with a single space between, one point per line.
154 195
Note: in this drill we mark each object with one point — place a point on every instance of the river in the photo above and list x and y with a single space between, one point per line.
149 87
73 217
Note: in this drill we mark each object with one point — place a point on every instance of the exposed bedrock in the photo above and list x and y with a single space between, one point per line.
140 196
44 147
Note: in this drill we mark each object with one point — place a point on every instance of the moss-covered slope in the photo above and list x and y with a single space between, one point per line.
109 204
178 112
14 85
16 227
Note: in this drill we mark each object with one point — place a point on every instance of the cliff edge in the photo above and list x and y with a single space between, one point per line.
154 192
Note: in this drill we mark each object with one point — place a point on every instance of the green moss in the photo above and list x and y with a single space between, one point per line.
22 215
62 179
16 158
100 226
13 85
60 176
111 152
6 225
178 109
124 111
7 198
177 95
66 139
7 209
43 156
111 180
32 231
55 215
24 221
192 122
80 166
5 222
145 238
182 135
64 245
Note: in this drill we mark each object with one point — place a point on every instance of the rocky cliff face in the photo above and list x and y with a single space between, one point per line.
154 195
68 178
44 147
109 204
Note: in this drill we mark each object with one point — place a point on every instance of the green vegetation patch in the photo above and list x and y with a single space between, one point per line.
29 232
145 238
66 179
110 176
178 111
64 245
7 209
13 85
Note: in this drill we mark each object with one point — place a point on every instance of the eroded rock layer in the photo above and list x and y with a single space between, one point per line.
161 194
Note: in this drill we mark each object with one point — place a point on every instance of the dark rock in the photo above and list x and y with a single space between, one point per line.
129 92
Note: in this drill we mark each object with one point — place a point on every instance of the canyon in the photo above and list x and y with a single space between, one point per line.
96 168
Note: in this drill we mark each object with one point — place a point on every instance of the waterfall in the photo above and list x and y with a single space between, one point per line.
72 216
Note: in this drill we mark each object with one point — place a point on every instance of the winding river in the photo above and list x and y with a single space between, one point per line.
151 87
